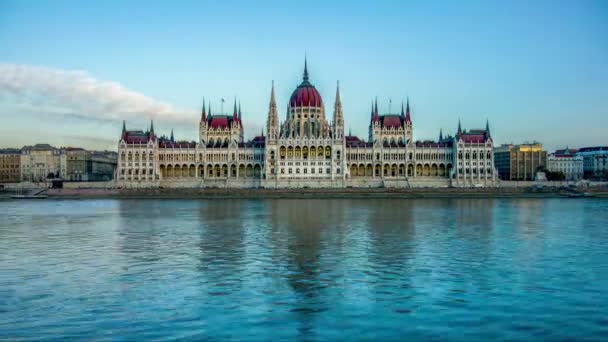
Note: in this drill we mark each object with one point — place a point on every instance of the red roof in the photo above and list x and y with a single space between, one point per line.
433 144
305 95
176 144
137 137
391 121
353 141
218 122
473 138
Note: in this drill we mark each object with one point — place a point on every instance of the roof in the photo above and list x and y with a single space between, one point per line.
593 149
137 137
221 121
305 95
39 147
430 143
10 151
165 143
258 141
353 141
566 152
474 136
391 120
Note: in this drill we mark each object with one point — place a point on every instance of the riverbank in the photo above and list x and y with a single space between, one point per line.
313 193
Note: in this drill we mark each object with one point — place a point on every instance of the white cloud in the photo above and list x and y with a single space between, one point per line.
53 91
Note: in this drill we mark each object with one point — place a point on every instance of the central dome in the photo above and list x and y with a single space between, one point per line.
305 95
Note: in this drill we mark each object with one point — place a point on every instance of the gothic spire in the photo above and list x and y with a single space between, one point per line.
273 118
402 112
372 111
239 110
234 111
203 112
338 100
459 127
210 109
440 135
124 126
376 106
152 127
488 127
305 78
407 111
172 140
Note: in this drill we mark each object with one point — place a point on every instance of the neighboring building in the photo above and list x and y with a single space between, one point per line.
595 162
567 162
39 163
305 150
519 162
78 164
10 165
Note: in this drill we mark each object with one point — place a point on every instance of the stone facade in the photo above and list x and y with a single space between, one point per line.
519 162
595 162
567 162
80 165
10 165
305 150
40 163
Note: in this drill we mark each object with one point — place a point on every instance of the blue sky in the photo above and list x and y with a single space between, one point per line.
70 71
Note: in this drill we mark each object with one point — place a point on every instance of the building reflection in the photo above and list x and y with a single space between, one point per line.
221 245
301 231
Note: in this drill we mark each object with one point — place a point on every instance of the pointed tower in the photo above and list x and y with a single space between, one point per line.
402 112
459 128
235 113
488 128
440 135
172 140
305 76
372 111
124 126
202 125
408 117
241 129
338 115
272 128
203 112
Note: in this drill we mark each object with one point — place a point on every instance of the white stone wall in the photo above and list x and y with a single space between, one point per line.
571 167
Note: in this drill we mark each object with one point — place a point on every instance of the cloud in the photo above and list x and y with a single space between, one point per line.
53 91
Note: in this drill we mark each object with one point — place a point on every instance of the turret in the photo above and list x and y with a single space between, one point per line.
273 117
203 112
338 115
408 117
488 128
235 113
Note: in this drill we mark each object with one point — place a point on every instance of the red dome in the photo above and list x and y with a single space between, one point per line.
305 95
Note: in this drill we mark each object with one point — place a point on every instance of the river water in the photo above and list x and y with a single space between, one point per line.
458 269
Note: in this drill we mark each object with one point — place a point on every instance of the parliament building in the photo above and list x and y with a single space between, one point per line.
306 150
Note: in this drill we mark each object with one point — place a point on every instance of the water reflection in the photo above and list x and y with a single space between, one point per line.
455 269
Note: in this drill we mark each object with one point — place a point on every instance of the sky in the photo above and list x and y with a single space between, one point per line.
71 71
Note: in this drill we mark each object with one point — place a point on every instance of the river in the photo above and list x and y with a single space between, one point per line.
394 269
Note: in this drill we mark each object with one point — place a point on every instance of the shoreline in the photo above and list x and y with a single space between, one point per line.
349 193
